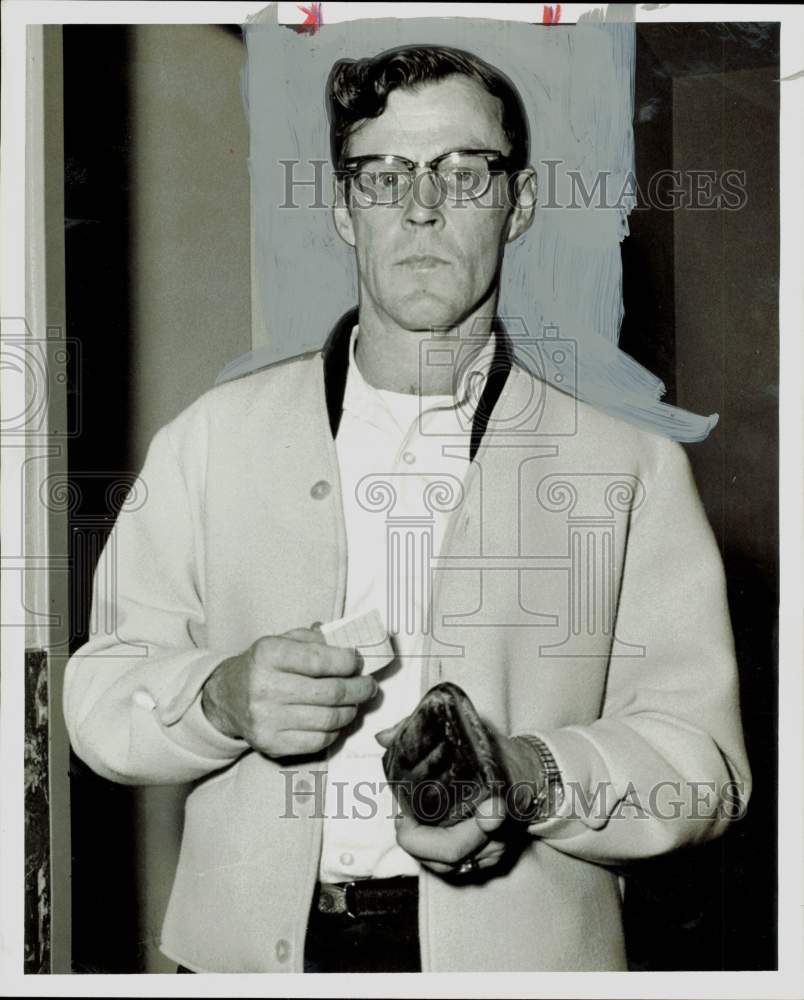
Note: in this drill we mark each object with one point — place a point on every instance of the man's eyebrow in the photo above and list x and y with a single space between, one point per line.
451 148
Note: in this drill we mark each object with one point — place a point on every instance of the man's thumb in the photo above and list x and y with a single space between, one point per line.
385 737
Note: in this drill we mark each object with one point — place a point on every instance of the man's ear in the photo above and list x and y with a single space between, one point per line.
522 188
341 215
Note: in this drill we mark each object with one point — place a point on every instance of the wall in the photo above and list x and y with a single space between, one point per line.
190 263
701 301
727 352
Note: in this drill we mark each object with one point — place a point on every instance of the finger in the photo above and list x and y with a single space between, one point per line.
487 857
490 814
297 742
437 843
311 659
439 867
490 854
490 860
385 737
311 634
316 719
330 690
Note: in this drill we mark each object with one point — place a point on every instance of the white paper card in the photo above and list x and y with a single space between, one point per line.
364 632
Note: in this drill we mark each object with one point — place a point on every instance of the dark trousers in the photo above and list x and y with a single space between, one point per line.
340 943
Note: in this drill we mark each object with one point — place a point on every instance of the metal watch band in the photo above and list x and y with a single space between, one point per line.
550 795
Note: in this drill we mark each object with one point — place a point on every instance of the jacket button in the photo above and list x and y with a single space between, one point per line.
143 699
282 950
320 490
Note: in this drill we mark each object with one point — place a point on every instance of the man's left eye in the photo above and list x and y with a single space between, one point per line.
463 178
389 179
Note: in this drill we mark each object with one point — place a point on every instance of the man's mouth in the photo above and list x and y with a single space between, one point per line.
422 262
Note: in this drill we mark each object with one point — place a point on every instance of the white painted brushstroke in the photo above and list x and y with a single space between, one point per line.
335 13
577 84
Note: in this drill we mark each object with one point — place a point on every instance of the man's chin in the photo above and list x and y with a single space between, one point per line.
423 313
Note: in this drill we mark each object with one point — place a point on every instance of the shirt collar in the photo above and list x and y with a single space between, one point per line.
335 362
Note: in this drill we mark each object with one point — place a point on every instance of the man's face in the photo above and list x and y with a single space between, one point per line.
427 261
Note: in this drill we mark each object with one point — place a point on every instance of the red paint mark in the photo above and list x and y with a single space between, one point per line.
551 14
313 19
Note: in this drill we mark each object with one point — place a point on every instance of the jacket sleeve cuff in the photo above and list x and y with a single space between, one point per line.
197 734
584 778
180 711
177 696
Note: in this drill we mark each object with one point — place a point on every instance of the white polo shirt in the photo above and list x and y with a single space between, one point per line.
390 449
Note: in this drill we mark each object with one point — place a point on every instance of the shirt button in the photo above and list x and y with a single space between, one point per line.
282 950
320 490
303 787
347 858
408 457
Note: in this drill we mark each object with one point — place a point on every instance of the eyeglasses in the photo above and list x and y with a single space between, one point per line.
461 175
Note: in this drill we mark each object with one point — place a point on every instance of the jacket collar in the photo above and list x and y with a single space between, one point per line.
336 364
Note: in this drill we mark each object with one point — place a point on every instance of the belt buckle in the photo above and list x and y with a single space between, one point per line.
335 898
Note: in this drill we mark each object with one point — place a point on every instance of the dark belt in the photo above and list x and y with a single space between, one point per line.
368 897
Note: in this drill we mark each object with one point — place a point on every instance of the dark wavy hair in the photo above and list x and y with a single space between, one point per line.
358 90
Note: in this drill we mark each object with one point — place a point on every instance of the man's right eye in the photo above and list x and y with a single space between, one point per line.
377 178
389 178
383 184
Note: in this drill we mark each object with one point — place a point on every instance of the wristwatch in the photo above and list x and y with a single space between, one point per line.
549 795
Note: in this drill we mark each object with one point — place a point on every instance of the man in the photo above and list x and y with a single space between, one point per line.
453 499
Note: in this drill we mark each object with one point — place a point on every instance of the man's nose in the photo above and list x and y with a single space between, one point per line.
424 203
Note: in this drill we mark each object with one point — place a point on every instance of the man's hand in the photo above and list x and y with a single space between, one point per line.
485 837
443 849
287 695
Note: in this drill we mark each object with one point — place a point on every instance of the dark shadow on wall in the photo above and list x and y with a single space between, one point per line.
701 310
97 140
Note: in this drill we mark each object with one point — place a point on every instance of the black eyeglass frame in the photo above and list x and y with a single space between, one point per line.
497 163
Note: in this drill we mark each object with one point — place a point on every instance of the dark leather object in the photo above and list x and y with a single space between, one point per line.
368 897
445 760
